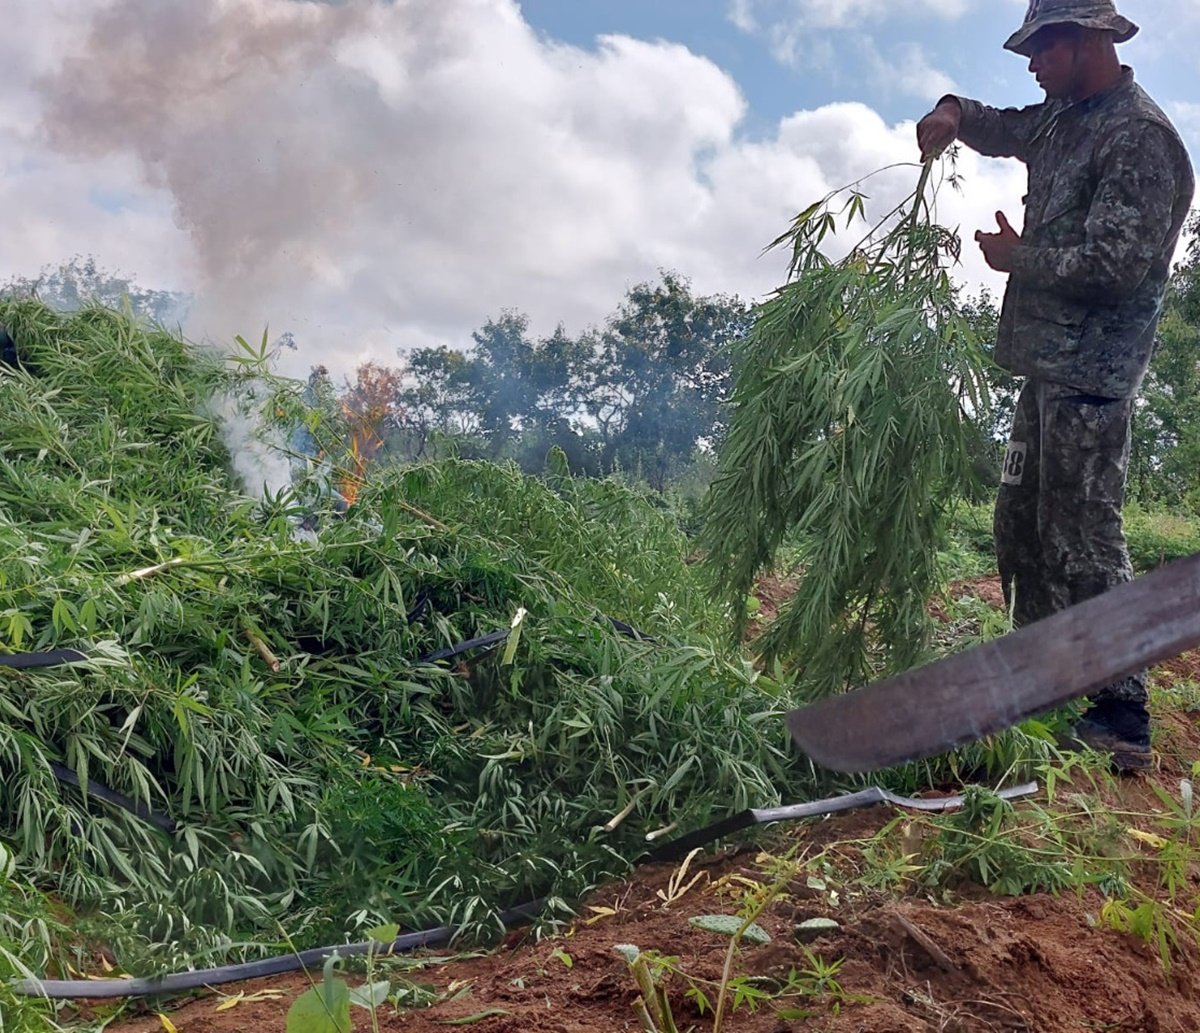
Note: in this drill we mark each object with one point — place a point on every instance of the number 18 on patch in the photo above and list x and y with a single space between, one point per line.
1014 463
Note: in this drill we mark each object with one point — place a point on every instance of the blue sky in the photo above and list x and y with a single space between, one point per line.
851 61
380 175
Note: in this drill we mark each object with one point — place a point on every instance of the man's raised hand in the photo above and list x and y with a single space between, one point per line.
939 129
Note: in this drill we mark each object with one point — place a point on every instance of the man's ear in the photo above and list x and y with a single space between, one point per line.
1097 41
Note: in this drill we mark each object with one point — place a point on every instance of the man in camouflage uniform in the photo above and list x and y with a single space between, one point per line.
1110 185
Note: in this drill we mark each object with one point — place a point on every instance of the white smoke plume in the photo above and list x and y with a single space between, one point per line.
383 174
260 459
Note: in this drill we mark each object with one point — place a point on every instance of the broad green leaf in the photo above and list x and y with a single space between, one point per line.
815 927
371 995
384 934
728 925
312 1013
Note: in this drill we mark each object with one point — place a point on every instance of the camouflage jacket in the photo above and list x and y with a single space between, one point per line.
1110 185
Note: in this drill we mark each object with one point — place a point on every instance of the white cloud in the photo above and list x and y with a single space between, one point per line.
838 14
912 73
382 175
1186 116
830 36
741 13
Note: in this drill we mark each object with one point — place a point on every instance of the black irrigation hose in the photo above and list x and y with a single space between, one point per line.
30 661
87 988
68 989
65 774
629 631
495 637
419 607
8 349
34 661
464 647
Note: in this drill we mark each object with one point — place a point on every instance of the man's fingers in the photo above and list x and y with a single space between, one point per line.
924 142
933 136
1003 222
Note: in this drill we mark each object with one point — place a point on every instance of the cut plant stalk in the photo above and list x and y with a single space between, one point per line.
264 651
157 568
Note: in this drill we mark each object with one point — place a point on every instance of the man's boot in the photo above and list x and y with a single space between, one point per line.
1118 727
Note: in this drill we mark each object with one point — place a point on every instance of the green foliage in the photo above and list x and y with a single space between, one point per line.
1149 920
1163 919
1165 456
847 437
650 971
28 930
1156 534
622 545
815 983
980 843
259 683
1159 535
80 283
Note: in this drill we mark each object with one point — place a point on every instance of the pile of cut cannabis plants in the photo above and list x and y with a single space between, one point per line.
259 685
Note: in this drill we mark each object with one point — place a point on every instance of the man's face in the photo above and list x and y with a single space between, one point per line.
1055 60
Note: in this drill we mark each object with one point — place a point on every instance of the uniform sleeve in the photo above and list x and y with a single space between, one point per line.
1129 220
998 132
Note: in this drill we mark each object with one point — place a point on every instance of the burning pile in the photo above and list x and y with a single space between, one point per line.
264 693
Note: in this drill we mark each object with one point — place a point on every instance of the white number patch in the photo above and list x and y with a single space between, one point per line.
1014 463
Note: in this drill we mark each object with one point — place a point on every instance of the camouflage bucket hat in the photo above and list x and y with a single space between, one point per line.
1091 14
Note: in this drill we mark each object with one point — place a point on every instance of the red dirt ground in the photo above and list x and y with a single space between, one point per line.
1033 964
771 592
986 588
912 964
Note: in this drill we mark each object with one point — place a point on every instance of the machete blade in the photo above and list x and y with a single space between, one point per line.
984 690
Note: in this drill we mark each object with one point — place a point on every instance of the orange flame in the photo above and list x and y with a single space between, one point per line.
366 409
365 444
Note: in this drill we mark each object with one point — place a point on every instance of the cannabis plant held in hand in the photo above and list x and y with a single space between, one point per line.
852 395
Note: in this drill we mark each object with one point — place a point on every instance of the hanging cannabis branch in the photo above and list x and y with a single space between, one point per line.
847 441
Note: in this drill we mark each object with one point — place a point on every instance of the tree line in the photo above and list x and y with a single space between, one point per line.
644 393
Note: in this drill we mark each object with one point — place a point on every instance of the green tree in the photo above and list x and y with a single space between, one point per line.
663 376
1165 460
989 429
80 282
643 394
438 401
505 393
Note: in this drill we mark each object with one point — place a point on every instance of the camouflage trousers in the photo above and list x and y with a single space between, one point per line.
1059 537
